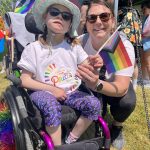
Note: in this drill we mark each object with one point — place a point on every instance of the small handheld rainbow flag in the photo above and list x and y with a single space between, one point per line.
24 6
2 42
114 54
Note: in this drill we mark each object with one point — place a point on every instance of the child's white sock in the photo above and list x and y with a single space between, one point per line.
71 138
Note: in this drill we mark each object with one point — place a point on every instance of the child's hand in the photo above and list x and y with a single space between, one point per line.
59 93
96 61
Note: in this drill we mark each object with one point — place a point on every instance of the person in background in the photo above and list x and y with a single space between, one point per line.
117 89
83 10
129 19
145 6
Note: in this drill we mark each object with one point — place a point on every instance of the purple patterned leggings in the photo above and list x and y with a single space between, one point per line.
88 105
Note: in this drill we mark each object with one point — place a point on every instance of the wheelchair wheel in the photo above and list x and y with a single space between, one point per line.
31 137
18 131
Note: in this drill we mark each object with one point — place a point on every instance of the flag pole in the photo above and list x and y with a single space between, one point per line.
108 40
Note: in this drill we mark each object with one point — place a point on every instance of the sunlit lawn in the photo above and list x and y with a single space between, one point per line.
135 128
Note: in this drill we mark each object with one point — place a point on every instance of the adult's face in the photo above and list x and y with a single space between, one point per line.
100 29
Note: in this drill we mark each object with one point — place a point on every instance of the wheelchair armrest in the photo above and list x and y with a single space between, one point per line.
16 81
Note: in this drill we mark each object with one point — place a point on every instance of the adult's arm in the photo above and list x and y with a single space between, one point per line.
117 88
120 83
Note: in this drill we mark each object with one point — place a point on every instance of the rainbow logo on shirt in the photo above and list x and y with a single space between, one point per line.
61 77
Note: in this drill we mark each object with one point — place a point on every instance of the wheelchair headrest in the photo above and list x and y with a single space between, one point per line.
30 24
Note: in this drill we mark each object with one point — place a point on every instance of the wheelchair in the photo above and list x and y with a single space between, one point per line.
27 122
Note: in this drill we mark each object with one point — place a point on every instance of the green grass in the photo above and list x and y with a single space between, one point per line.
3 83
135 128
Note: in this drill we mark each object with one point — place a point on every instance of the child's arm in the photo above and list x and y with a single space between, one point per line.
29 83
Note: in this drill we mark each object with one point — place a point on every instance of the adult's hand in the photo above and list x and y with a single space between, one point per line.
88 74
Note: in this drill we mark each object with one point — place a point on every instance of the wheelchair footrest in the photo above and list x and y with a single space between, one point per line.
93 144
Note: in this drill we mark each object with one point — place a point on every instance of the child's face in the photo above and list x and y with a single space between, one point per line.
58 19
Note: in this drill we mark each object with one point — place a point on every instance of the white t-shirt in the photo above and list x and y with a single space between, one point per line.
130 50
56 65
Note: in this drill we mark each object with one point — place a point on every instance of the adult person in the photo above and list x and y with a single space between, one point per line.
49 66
117 89
145 6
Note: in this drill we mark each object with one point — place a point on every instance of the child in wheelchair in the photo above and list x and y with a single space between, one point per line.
49 69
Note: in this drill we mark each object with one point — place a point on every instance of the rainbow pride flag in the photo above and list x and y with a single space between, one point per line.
114 54
2 42
24 6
